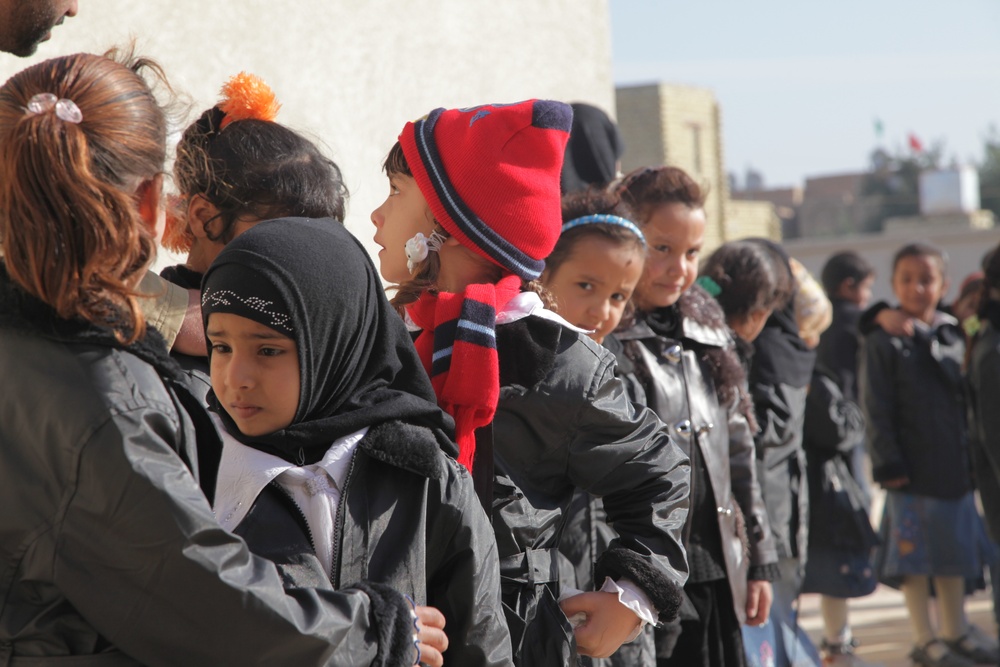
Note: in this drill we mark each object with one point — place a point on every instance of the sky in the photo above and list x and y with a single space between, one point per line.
801 83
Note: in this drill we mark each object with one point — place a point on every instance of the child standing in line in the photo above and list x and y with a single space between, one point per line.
333 465
743 278
780 372
682 356
841 540
591 274
911 389
236 166
473 210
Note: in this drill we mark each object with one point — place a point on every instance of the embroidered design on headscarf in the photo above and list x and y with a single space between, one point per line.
222 298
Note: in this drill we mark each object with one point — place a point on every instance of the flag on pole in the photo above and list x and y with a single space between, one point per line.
915 144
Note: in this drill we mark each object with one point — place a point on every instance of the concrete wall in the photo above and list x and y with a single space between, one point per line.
350 73
965 248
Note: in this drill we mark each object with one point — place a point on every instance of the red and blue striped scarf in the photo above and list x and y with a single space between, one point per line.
458 348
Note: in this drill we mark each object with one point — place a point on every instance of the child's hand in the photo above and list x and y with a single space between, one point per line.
759 597
895 322
609 623
431 639
897 483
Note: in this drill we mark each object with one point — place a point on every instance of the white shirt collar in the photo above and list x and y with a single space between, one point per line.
523 305
245 471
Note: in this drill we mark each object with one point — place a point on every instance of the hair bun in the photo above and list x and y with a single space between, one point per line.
246 96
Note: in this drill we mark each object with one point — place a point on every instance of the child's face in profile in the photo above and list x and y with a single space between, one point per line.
401 216
593 285
255 373
919 284
674 234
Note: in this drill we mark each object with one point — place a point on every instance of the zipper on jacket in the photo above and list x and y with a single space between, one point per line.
338 526
302 515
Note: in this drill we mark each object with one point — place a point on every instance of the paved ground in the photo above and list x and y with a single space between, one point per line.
880 622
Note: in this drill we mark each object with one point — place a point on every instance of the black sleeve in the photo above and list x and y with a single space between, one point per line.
140 555
878 400
867 323
465 584
624 454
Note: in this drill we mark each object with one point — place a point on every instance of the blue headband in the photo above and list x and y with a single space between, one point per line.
607 220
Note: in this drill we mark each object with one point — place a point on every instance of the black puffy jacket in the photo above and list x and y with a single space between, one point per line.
912 394
564 422
410 519
109 546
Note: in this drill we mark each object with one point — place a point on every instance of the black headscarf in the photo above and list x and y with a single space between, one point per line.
594 148
781 356
312 281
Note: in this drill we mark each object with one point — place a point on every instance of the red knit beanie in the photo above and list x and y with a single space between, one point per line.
490 175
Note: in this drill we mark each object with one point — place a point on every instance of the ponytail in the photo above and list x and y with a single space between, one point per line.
70 226
73 240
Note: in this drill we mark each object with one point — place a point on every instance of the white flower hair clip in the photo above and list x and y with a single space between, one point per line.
419 246
65 109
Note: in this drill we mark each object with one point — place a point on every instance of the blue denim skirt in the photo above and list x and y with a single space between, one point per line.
931 536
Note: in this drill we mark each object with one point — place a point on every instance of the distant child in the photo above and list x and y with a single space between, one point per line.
333 465
911 389
983 378
841 540
592 273
472 212
847 278
236 166
681 355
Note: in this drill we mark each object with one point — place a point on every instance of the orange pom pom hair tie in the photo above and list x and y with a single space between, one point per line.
246 96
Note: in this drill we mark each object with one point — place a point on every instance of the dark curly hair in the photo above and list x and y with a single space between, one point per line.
256 168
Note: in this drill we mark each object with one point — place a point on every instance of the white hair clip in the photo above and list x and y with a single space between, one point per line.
419 246
65 109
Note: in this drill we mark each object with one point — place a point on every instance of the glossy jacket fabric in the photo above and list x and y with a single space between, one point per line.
678 386
912 396
410 520
110 548
565 421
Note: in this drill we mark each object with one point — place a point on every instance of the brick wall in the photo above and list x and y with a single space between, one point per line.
682 126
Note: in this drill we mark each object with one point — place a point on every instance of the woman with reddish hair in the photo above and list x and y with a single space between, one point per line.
111 555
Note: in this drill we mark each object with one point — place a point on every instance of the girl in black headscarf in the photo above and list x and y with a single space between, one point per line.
333 464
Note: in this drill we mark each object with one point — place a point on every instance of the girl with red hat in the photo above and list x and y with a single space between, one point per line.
473 210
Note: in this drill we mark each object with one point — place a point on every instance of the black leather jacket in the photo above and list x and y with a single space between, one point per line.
409 519
675 377
110 549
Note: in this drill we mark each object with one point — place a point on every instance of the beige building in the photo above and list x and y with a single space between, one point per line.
350 73
682 126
